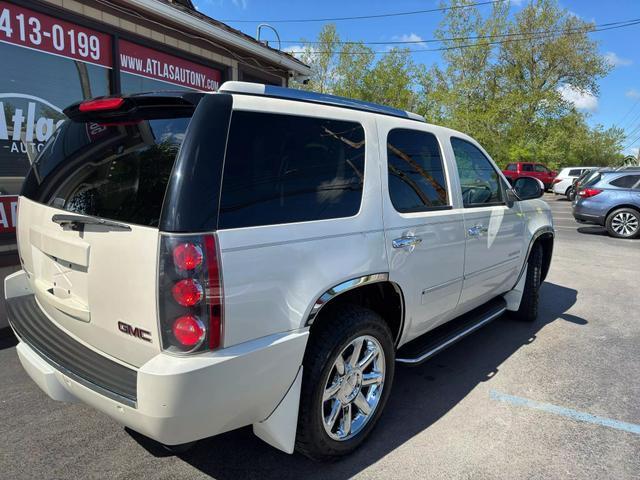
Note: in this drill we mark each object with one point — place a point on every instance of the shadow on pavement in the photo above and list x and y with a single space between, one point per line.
594 230
7 338
420 396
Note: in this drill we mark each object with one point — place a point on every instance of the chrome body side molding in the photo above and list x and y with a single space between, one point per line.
341 288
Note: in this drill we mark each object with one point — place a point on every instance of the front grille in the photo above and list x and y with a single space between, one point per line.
69 356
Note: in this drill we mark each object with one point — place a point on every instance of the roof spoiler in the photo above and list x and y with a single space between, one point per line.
134 107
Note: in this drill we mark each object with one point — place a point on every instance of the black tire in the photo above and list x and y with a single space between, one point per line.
528 311
330 339
634 225
571 194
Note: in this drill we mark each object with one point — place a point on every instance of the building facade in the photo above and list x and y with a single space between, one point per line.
56 52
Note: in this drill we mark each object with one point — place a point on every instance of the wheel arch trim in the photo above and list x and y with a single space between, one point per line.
341 288
547 230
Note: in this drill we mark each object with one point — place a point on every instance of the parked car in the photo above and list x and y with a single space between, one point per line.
195 263
611 198
563 183
530 169
577 182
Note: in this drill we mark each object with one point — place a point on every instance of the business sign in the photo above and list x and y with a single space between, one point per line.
26 123
8 213
150 63
34 30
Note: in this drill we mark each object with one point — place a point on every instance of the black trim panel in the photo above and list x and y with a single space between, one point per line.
193 194
69 356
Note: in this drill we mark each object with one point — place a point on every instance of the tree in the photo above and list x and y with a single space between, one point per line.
502 79
322 60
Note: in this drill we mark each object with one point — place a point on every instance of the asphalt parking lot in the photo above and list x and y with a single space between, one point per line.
555 399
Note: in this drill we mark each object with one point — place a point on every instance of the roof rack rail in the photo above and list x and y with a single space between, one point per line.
312 97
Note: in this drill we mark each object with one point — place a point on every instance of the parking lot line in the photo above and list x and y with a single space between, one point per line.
565 412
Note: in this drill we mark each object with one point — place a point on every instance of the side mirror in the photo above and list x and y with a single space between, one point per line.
528 188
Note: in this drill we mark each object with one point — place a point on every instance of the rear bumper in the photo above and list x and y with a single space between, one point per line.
181 399
585 215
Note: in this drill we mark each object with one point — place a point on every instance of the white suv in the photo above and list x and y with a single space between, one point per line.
194 263
563 183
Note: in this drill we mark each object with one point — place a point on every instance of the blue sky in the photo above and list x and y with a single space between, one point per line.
619 91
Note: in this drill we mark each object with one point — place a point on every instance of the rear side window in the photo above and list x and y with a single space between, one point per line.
526 167
512 167
628 181
119 172
286 169
415 171
575 172
480 182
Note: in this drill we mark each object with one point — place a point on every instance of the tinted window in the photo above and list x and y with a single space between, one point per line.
284 169
591 179
415 171
116 172
479 180
527 167
628 181
512 167
575 172
541 168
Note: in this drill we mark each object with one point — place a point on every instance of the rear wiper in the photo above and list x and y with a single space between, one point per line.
77 221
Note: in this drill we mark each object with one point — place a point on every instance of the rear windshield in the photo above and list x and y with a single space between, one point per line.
591 179
119 172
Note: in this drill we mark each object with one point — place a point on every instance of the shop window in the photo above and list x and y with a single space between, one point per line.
48 64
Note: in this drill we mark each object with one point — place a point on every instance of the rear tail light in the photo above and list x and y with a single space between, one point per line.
189 330
101 104
589 192
556 180
190 293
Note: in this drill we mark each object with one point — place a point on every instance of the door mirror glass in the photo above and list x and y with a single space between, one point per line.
527 188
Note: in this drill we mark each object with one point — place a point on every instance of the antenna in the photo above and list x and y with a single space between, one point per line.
274 31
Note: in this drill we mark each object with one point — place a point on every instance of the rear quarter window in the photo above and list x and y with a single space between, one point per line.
627 181
575 173
286 169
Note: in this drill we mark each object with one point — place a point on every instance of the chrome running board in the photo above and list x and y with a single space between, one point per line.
431 343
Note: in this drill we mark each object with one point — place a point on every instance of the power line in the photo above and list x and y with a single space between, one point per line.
635 104
587 29
540 35
629 145
367 17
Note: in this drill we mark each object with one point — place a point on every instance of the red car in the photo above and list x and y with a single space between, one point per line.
530 169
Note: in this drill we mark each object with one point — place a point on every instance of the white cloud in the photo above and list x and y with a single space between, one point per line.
411 37
632 93
240 3
582 100
615 61
517 3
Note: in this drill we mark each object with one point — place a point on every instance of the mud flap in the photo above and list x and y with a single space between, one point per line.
279 429
513 297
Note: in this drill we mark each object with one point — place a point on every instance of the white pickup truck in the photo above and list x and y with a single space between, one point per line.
195 263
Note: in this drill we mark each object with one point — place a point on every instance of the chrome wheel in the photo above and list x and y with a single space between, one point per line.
624 224
353 389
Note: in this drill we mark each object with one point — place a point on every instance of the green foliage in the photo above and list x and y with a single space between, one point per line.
505 90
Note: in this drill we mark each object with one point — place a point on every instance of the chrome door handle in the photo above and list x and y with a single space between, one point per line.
477 230
408 241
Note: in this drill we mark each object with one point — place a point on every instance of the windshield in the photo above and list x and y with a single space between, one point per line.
115 171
